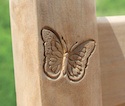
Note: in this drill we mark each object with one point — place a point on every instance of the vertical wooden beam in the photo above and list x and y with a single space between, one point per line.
25 51
76 21
37 29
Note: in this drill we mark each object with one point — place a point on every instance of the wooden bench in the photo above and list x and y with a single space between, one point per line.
65 56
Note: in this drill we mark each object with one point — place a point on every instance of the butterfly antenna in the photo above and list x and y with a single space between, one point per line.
64 44
73 46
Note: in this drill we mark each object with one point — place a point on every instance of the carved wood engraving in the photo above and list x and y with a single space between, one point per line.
60 61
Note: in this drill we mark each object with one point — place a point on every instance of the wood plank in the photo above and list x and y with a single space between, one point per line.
112 58
25 52
36 45
76 21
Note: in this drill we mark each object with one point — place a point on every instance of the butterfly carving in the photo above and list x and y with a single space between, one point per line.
60 61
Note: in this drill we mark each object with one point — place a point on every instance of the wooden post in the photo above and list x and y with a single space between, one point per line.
25 39
56 57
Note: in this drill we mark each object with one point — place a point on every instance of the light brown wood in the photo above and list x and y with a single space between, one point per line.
61 61
26 52
112 57
75 21
121 104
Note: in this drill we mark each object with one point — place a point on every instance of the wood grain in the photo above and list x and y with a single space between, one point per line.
112 58
121 104
25 52
75 21
61 61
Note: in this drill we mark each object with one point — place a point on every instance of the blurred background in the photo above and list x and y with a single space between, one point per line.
7 86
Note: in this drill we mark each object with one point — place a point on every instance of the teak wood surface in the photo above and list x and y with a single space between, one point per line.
111 31
75 21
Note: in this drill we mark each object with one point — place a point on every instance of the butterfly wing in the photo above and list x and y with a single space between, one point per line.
78 60
53 52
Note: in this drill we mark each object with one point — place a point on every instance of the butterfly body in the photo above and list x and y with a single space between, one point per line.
64 63
59 61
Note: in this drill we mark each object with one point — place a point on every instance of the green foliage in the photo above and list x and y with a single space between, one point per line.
4 14
110 7
7 86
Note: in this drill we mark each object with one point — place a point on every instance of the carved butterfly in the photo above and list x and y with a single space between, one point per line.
59 61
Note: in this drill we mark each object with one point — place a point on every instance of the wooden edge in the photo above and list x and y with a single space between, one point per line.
25 52
112 59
